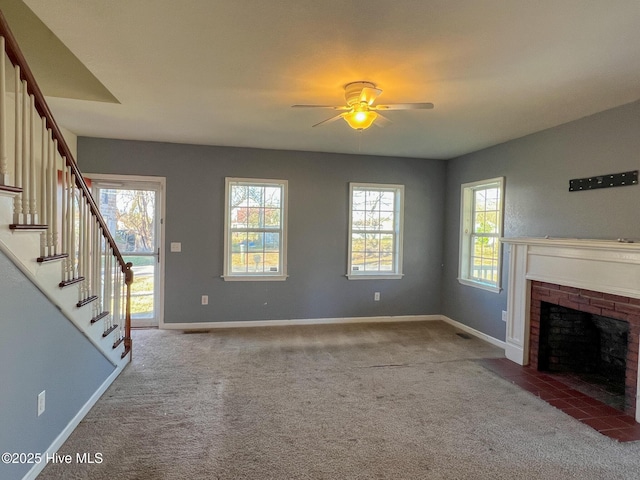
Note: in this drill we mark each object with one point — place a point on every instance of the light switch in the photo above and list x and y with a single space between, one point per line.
176 246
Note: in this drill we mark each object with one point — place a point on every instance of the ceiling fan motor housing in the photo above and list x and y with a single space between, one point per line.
353 90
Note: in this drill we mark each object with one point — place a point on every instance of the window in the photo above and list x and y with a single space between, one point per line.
375 231
480 231
255 239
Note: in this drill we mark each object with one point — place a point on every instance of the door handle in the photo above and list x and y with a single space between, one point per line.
158 254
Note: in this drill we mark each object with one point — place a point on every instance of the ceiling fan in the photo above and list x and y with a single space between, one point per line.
359 112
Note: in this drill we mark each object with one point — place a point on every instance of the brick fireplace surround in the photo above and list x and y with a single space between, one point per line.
601 277
595 303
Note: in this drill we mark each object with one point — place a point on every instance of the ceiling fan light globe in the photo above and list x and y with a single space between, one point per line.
360 120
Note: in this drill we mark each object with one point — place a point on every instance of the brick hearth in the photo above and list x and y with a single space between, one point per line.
596 303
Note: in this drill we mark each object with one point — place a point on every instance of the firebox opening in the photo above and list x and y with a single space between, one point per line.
588 351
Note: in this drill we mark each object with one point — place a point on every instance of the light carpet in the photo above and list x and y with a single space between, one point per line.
367 401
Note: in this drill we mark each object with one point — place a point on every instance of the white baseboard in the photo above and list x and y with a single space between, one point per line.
328 321
474 332
62 437
301 321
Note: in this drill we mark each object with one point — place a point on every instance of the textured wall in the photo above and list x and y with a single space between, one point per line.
318 215
39 350
537 169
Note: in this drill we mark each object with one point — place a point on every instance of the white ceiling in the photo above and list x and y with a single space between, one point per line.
225 72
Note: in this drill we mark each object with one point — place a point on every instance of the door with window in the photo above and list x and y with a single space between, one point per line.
132 209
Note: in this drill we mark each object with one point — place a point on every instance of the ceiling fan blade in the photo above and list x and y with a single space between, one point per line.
381 121
329 120
334 107
404 106
369 94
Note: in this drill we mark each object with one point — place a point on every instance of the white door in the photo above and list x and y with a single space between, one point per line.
132 208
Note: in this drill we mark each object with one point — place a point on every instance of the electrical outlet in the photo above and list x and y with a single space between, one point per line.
205 299
504 315
41 402
376 297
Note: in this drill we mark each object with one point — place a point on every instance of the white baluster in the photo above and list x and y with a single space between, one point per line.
53 167
3 125
33 191
43 173
82 266
66 221
44 236
72 234
26 184
97 264
116 294
17 202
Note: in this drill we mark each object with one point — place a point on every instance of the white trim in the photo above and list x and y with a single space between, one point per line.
397 274
151 182
482 336
480 285
374 276
281 275
599 265
334 321
254 278
298 321
75 421
466 222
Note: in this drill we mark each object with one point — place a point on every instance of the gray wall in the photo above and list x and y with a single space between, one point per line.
538 168
40 349
318 215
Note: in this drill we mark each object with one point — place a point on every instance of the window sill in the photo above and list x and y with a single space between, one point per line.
254 278
373 276
480 285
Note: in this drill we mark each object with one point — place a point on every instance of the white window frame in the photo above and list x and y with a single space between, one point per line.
281 275
397 232
466 232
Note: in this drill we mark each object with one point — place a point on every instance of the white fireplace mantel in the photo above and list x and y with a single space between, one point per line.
607 266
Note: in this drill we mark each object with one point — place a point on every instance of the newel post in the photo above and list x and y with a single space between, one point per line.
128 280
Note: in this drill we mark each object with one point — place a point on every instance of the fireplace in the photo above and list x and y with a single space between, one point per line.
570 335
595 285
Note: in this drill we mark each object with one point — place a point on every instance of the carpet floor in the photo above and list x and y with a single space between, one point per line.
362 401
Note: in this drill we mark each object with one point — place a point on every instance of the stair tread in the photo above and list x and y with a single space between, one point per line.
87 301
26 226
99 317
51 258
9 188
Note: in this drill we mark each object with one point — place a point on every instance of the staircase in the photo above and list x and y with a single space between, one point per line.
50 226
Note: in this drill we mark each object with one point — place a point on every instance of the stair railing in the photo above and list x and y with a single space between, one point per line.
52 196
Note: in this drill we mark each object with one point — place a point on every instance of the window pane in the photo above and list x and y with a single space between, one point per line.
386 261
357 252
387 221
255 241
239 217
272 242
272 217
372 252
255 217
238 195
272 196
358 220
480 200
358 199
373 220
387 202
255 195
373 198
271 262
